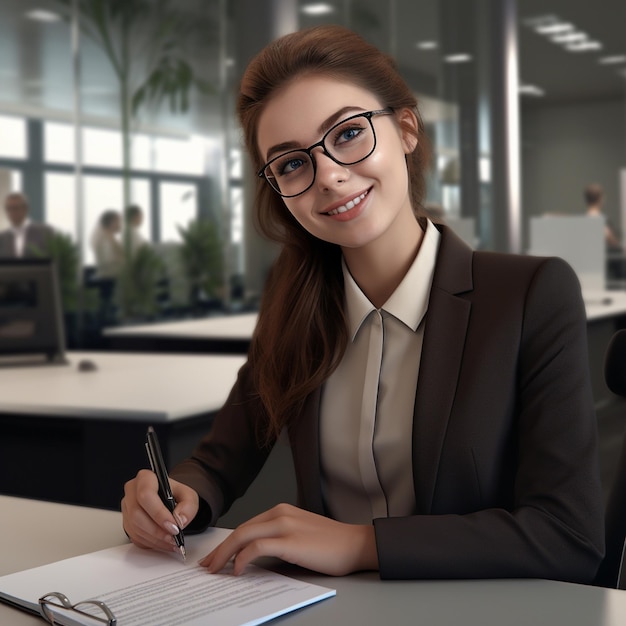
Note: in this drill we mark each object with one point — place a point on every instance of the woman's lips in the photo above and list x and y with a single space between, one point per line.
348 206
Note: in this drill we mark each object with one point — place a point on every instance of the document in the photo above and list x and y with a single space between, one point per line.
148 588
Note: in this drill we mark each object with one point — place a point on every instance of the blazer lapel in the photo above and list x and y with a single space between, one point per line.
442 351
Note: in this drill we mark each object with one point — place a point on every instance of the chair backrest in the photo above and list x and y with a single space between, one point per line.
621 575
612 572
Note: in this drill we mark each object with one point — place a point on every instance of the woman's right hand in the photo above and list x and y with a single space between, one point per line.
147 521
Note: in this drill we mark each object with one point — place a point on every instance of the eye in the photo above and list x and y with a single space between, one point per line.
288 166
348 132
290 163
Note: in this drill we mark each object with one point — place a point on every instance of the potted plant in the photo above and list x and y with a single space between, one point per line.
202 262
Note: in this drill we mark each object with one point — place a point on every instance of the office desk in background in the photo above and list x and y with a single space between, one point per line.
35 533
606 313
226 334
77 436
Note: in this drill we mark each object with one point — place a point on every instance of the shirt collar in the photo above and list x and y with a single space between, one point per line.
22 227
409 302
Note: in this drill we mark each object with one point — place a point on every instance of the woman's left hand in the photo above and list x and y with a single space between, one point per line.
299 537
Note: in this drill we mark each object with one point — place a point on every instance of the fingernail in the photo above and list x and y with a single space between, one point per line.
171 528
181 519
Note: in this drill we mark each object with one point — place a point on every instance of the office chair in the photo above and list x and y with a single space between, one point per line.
612 572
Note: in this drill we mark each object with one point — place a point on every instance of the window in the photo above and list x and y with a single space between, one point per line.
13 143
103 148
179 156
179 206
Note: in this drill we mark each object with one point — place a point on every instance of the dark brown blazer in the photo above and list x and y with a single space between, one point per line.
37 239
504 440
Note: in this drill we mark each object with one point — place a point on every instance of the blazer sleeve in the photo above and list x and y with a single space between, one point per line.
229 457
554 527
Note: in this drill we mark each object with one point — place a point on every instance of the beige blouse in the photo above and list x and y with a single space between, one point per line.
366 419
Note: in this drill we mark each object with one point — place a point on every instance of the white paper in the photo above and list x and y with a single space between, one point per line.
148 588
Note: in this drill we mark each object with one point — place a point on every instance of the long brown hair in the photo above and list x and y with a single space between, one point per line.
301 334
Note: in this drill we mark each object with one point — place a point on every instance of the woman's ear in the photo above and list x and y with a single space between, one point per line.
409 127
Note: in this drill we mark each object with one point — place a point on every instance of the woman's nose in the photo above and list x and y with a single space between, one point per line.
328 172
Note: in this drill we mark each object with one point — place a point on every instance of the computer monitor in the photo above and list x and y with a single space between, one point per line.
31 320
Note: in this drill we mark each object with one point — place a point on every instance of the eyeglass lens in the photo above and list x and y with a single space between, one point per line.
347 143
95 611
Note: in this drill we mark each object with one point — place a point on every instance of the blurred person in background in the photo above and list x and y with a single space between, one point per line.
594 199
24 238
106 245
134 221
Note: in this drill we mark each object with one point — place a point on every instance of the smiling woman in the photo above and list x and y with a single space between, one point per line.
436 399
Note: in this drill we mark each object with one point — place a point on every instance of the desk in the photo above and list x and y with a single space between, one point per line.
78 436
229 334
604 304
36 533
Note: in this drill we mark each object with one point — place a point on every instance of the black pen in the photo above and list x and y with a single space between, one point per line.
165 491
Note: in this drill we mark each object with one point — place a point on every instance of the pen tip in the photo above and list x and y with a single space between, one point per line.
183 552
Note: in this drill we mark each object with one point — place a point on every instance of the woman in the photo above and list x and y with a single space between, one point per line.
106 246
437 400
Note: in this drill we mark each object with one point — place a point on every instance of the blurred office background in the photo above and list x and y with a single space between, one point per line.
107 103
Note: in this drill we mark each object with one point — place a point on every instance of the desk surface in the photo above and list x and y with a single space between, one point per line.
603 304
598 304
35 533
141 387
221 327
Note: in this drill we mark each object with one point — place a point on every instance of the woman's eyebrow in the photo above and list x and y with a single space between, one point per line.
335 117
285 146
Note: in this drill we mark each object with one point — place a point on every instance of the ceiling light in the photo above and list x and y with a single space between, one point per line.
570 38
554 29
317 8
531 90
427 45
584 46
41 15
461 57
612 60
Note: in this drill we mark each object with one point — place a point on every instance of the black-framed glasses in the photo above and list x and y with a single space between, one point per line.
348 142
56 603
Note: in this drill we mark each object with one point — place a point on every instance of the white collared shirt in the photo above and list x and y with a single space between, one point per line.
366 413
19 234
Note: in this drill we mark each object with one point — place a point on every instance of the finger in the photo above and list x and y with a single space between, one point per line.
147 521
187 503
279 510
143 532
266 546
238 540
279 518
147 495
